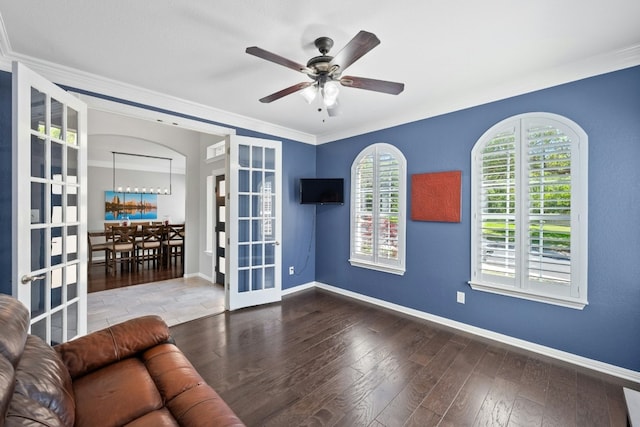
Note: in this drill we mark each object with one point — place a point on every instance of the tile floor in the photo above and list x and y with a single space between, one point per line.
175 300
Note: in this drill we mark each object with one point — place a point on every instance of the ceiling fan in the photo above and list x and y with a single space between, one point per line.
326 71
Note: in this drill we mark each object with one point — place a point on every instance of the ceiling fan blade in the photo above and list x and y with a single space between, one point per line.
285 92
261 53
384 86
362 43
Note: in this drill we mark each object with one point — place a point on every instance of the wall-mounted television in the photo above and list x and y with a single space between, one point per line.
321 191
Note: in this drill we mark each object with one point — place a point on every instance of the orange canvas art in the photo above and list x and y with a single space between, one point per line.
436 196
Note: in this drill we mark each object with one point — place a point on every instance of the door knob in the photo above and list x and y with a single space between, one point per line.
28 279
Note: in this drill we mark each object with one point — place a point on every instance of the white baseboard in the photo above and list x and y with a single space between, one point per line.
199 274
299 288
574 359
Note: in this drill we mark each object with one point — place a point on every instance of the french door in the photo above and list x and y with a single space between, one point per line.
49 267
220 229
254 212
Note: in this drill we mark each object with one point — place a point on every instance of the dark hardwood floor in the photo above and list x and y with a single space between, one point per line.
319 359
99 280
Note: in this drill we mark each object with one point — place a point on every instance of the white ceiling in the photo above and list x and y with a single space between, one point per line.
450 54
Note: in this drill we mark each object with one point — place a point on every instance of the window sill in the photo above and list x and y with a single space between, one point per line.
371 266
574 303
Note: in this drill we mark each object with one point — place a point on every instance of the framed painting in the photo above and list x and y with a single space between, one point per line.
134 206
436 196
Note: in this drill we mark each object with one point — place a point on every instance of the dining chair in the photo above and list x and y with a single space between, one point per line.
173 244
97 243
149 245
122 248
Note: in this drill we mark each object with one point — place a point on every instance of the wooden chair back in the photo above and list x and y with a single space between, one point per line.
152 233
174 233
123 235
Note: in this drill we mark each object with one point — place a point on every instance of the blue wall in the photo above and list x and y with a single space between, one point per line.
298 248
607 107
5 181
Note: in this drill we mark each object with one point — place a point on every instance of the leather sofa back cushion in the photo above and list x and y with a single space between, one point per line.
116 395
14 324
87 353
7 383
43 391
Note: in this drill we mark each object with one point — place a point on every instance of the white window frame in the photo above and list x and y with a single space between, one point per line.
572 294
374 262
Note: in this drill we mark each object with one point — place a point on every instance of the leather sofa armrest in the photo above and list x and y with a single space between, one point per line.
95 350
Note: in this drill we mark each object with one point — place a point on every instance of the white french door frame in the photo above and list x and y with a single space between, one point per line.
50 279
254 221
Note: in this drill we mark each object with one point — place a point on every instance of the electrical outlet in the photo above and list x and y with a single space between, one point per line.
292 271
460 297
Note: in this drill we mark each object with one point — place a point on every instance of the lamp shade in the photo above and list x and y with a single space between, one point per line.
330 92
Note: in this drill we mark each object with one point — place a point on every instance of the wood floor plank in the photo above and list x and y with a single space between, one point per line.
465 406
346 401
423 417
560 403
592 404
431 347
318 359
446 390
497 405
512 366
371 405
313 401
526 413
405 403
491 361
535 380
616 404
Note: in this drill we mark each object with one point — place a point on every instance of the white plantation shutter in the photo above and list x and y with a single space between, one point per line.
549 205
378 180
363 208
498 208
529 205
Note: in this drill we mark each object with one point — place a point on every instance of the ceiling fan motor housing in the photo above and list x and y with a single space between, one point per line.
324 44
321 65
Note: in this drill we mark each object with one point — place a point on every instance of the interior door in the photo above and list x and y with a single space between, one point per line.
221 230
253 252
49 216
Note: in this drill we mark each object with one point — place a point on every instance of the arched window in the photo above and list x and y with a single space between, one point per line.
378 209
529 210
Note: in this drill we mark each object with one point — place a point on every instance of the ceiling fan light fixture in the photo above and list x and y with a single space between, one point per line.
330 92
309 93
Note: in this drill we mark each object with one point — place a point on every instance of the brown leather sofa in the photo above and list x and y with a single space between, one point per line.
129 374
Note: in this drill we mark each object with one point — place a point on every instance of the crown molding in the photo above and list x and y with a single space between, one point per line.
588 67
84 81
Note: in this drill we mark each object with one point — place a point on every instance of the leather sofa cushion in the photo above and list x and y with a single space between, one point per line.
43 391
160 418
115 395
7 383
112 344
184 391
14 324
